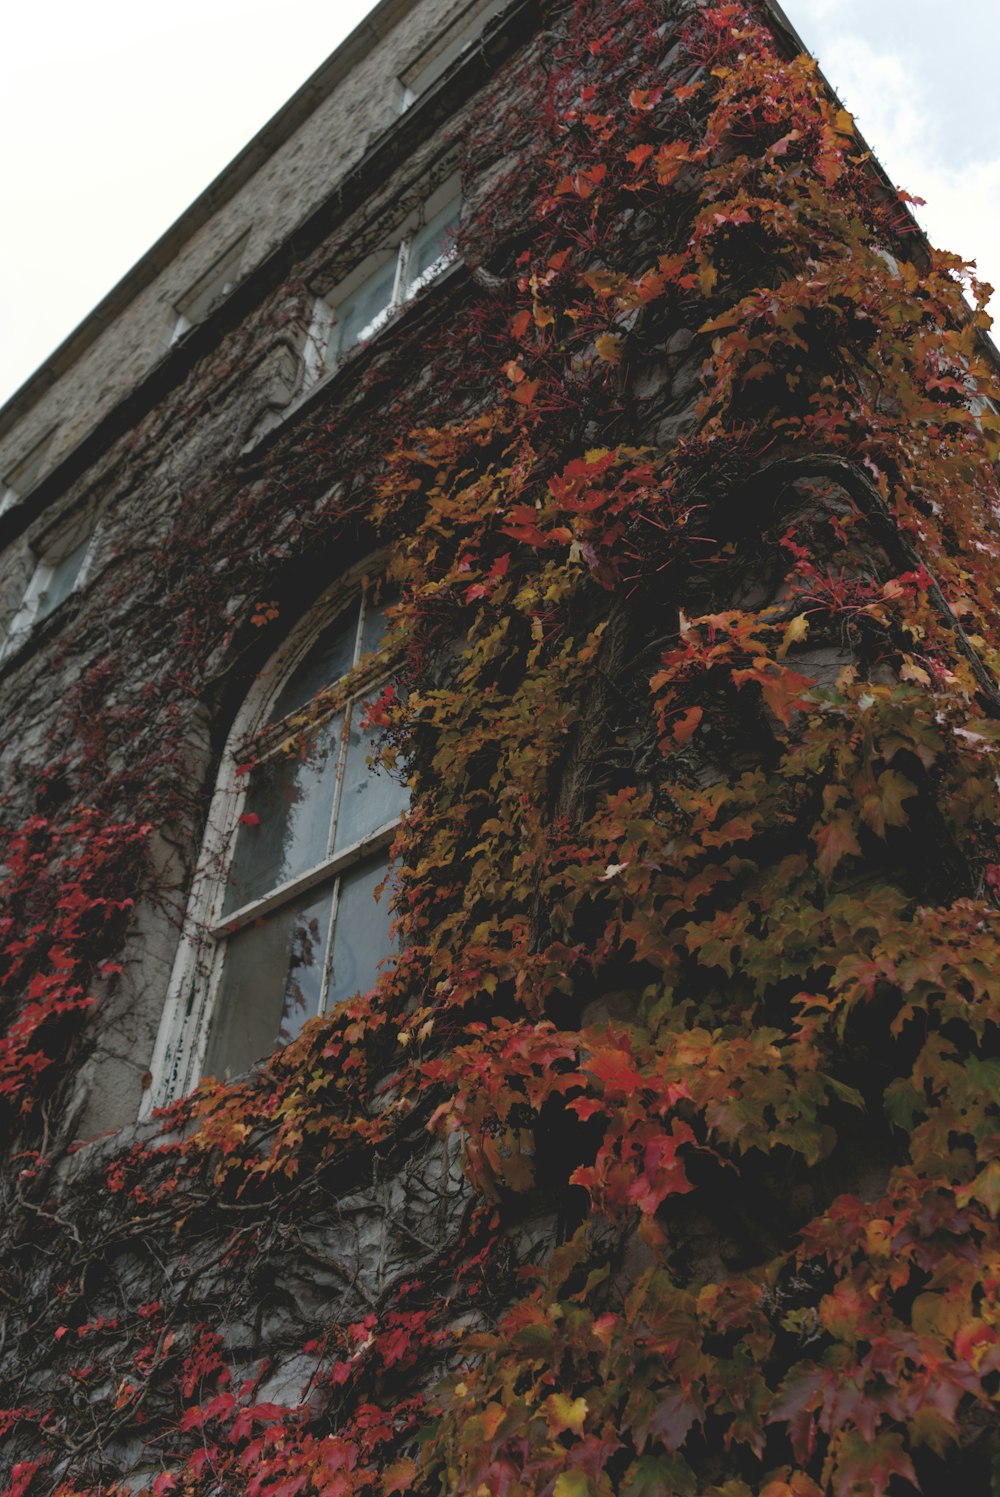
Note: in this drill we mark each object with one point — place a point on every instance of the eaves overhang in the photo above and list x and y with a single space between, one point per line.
467 75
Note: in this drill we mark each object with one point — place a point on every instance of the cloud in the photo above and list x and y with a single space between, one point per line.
898 115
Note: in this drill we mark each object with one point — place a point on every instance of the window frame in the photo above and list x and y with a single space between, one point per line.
81 532
446 48
395 251
184 1034
27 472
214 284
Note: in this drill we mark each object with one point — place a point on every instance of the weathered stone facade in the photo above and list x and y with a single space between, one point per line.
140 424
257 1290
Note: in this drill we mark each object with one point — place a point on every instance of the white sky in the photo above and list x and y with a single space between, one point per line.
116 113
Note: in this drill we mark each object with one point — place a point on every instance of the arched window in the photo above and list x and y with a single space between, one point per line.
299 834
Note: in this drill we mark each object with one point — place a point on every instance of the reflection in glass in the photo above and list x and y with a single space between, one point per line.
361 931
362 314
370 797
299 811
285 827
432 247
374 627
62 579
272 983
330 657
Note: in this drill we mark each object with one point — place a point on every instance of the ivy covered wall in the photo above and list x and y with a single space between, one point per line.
664 1159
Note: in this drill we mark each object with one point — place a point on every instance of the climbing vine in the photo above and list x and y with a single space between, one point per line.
697 899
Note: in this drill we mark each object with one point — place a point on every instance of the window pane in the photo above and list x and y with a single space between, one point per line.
293 801
374 627
62 579
432 247
370 797
331 657
361 930
271 984
360 315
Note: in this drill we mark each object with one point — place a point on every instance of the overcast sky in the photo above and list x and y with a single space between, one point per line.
116 113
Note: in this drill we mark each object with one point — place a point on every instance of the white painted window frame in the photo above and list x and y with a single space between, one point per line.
323 322
436 59
210 288
21 479
182 1040
48 557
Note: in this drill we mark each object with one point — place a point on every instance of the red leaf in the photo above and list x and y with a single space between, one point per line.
834 840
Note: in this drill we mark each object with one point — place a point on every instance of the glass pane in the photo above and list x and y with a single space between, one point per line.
62 579
432 247
374 627
271 984
292 799
361 930
360 315
370 797
331 657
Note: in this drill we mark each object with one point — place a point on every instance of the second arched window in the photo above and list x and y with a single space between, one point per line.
300 928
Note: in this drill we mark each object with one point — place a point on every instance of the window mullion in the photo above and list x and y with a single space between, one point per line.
338 783
328 956
322 872
401 263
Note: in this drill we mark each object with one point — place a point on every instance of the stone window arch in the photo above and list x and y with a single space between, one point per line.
285 920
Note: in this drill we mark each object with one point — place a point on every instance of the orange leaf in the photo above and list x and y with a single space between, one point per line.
639 155
687 724
526 392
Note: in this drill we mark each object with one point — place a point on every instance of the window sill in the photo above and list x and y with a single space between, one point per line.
346 371
17 647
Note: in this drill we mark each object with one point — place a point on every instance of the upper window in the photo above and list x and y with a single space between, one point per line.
61 567
421 248
25 474
446 48
296 926
217 282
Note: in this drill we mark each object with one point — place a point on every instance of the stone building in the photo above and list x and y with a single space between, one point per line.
499 864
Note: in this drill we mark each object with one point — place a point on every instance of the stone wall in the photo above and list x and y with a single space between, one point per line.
691 732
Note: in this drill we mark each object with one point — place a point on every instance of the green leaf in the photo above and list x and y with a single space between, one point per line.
659 1476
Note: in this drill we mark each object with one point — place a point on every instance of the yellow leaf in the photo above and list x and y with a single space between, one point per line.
985 1188
878 1238
937 1315
565 1413
916 673
609 348
572 1484
893 789
795 632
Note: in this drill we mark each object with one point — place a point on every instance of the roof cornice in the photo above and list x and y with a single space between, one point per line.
383 17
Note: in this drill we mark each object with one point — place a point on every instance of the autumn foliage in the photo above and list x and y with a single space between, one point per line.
697 899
